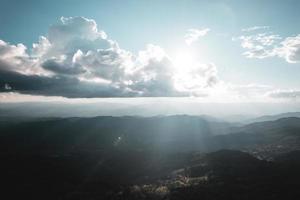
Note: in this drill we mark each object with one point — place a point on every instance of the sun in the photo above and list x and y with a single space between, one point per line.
184 60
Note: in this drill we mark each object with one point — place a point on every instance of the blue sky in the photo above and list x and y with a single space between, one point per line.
128 21
135 24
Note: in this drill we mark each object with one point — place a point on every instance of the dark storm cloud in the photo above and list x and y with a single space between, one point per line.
62 68
57 86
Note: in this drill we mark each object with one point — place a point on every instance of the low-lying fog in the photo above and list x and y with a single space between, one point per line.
145 107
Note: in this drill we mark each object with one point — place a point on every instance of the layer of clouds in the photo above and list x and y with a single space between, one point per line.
285 94
60 86
193 35
76 59
15 57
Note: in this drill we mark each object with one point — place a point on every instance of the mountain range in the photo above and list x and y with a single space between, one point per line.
163 157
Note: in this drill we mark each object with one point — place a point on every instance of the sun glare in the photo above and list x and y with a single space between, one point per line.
184 61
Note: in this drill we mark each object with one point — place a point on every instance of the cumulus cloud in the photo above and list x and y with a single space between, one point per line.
8 51
76 59
153 73
15 57
193 35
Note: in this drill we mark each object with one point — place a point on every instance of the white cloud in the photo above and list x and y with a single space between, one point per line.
14 57
76 59
8 51
75 28
265 45
254 28
194 34
153 73
289 49
198 80
41 47
284 94
259 45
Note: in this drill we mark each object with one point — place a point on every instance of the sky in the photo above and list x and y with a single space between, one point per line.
212 51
